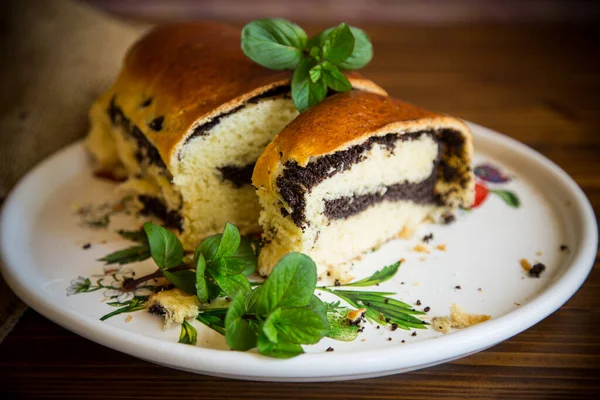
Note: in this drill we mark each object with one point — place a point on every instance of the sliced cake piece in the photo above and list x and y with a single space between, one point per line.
186 120
355 171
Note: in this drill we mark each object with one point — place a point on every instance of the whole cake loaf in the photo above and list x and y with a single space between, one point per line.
185 122
355 171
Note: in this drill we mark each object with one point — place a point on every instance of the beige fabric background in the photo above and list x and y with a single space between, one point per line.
57 56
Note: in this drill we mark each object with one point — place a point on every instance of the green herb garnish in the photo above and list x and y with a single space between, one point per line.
317 63
131 254
188 334
276 316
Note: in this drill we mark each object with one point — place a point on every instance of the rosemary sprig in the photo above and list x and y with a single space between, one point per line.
380 308
131 254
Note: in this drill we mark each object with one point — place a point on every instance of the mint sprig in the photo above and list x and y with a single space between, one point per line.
282 314
317 63
277 316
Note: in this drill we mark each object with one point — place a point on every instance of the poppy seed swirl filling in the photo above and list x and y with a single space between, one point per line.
296 182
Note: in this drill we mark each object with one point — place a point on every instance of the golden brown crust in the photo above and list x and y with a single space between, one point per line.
192 72
339 122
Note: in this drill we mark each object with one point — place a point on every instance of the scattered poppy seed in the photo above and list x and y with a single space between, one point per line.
564 247
86 246
418 302
378 327
537 270
403 341
426 309
428 238
386 300
329 349
337 282
394 326
389 339
146 102
457 287
413 334
387 320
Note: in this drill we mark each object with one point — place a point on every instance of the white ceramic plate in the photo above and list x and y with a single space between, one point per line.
42 251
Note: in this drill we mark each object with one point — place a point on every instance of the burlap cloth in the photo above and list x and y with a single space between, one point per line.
57 57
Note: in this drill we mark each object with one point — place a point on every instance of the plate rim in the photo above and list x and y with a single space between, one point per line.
314 366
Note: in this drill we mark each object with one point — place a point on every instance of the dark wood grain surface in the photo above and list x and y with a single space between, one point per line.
538 84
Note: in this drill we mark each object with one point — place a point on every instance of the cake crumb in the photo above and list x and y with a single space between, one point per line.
458 318
441 247
405 233
539 254
363 340
128 319
402 260
447 219
356 315
416 283
517 304
419 248
526 265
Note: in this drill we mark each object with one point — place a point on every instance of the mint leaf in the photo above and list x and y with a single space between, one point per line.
269 327
165 247
188 334
238 333
298 325
230 240
274 43
184 280
334 78
306 93
201 287
214 290
317 306
232 285
315 73
252 299
244 259
291 284
282 349
338 44
361 54
208 247
378 277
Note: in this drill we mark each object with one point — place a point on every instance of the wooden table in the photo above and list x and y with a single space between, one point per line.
538 84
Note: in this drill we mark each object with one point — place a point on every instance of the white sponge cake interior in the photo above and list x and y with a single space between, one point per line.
209 183
346 203
214 171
